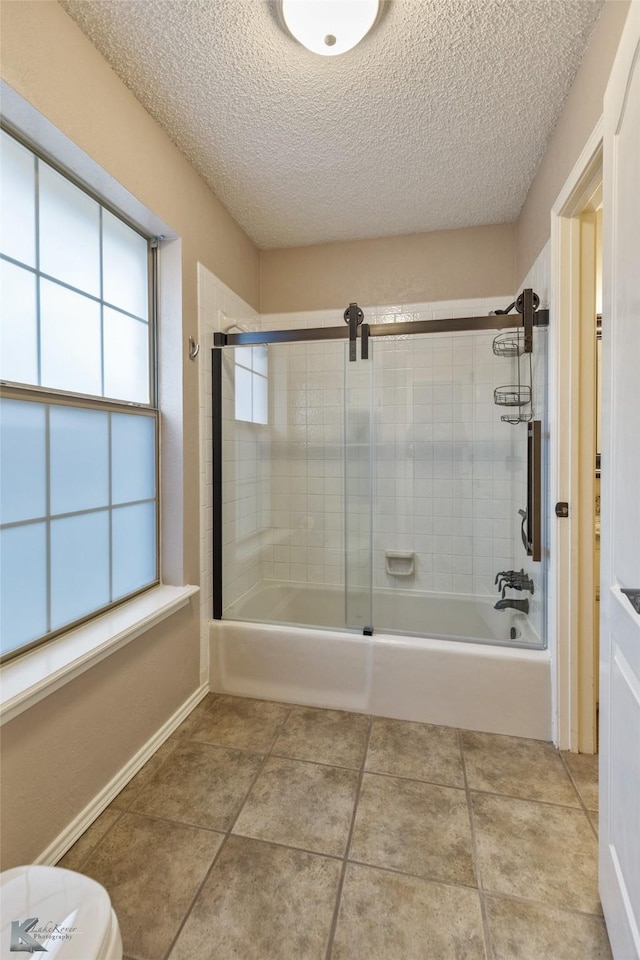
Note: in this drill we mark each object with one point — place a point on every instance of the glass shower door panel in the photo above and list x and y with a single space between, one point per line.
422 515
283 483
358 479
448 485
539 571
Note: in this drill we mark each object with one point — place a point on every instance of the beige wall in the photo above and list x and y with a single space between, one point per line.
444 265
59 754
582 110
451 264
46 58
50 62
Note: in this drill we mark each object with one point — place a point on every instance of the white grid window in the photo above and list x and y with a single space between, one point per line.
251 384
78 422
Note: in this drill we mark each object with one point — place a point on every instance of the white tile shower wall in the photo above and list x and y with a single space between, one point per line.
445 463
219 307
539 279
303 510
245 475
446 472
460 461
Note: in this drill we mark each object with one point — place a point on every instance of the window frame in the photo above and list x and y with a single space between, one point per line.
12 390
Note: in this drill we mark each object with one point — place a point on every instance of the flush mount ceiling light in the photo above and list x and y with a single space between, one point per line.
329 27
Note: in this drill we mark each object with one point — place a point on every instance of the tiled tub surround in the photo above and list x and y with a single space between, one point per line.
303 515
445 463
246 485
448 475
275 832
447 481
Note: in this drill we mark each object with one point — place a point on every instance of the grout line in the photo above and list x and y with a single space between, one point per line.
267 755
396 776
288 846
208 701
133 956
134 813
431 783
427 877
583 805
83 861
126 809
551 905
223 746
510 796
195 897
334 921
228 832
488 943
181 823
318 763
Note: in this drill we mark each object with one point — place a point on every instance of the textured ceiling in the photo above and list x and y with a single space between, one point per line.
437 120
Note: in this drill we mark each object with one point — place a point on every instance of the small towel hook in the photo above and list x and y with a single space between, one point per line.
194 349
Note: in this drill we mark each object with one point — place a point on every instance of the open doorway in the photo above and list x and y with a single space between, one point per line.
588 470
579 297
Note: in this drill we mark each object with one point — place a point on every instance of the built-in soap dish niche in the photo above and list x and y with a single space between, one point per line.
400 564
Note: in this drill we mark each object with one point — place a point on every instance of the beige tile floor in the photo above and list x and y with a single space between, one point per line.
264 831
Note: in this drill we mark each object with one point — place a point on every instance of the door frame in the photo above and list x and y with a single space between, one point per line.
575 673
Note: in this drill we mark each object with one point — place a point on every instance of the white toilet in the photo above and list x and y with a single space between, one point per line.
74 919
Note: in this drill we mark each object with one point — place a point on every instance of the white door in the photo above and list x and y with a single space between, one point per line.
620 624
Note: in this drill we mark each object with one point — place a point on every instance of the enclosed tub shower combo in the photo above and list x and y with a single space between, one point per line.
378 534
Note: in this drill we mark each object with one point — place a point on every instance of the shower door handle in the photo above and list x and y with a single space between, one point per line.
364 341
533 517
523 532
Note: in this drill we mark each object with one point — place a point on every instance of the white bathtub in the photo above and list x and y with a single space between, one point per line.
478 686
442 616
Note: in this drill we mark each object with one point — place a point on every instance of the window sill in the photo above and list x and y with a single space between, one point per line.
28 679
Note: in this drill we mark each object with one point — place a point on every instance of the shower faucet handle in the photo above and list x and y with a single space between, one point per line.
512 585
513 580
505 576
523 581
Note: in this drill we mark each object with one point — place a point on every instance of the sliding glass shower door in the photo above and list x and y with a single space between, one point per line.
296 485
384 479
358 493
450 482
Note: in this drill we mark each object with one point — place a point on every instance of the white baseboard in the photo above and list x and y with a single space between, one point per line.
65 840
